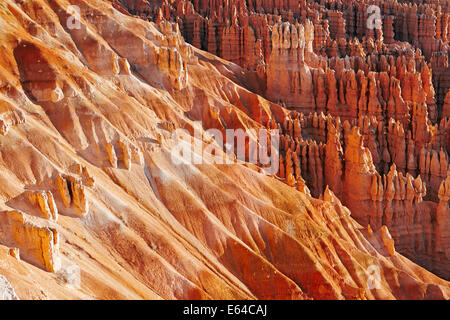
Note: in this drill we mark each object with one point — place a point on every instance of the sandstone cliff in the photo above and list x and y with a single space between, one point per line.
93 205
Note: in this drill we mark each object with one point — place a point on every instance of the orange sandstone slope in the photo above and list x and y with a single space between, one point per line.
93 207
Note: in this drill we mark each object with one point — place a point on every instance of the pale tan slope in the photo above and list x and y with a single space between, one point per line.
100 98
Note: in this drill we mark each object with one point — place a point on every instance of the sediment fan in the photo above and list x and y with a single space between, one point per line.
94 94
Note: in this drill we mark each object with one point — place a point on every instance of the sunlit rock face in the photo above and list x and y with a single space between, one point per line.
337 66
6 290
94 205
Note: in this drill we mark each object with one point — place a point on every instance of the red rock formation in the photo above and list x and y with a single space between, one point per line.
89 123
294 86
325 70
394 199
38 243
446 107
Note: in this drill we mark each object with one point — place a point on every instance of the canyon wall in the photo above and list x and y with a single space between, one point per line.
93 204
241 32
369 104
